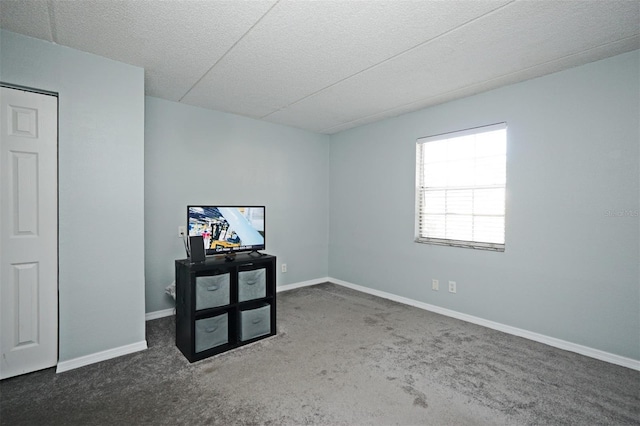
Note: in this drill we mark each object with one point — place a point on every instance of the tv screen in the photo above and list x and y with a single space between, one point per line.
226 229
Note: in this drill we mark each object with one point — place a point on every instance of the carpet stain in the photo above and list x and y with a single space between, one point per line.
403 340
371 321
384 316
419 402
420 399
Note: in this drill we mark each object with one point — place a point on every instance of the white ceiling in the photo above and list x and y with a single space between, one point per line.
327 66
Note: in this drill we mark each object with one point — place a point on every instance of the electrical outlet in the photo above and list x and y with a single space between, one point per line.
452 286
435 285
283 268
182 231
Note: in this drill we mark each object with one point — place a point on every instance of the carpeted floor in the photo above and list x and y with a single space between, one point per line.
342 358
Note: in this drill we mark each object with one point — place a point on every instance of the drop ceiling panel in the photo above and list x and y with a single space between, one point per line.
303 47
28 18
176 42
518 37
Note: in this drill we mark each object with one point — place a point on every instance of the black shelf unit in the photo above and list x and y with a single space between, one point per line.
222 304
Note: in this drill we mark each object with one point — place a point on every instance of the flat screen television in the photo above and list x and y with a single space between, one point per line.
228 229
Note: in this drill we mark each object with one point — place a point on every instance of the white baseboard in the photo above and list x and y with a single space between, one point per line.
159 314
541 338
100 356
288 287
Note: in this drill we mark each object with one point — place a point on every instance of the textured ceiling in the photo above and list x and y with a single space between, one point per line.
327 66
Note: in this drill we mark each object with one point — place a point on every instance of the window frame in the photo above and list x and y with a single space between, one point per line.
421 189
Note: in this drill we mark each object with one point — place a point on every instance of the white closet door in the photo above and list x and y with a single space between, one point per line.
28 232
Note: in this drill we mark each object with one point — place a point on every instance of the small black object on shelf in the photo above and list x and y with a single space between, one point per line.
197 248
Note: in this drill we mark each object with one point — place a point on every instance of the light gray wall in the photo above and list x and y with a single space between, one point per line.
100 189
199 156
570 269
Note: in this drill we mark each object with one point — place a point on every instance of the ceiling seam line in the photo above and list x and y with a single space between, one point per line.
391 57
52 21
228 50
486 81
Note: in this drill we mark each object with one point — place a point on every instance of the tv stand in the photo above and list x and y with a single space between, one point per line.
221 305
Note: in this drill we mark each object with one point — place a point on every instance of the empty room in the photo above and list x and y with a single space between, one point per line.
332 212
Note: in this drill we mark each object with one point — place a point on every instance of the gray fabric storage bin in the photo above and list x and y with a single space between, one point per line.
252 284
255 322
212 332
212 291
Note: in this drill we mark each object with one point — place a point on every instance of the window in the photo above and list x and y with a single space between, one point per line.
460 188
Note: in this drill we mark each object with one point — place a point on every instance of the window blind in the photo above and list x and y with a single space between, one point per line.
460 188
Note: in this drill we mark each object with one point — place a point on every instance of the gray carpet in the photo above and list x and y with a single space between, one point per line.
341 358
